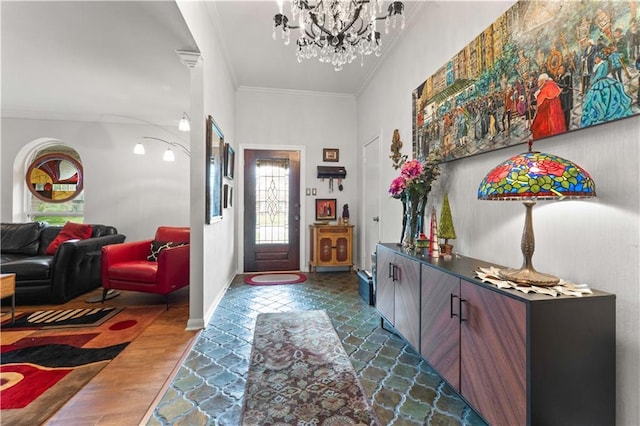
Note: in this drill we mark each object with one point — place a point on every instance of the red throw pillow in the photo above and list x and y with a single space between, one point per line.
70 231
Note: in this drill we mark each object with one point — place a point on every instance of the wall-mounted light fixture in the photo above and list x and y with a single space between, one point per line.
185 123
168 154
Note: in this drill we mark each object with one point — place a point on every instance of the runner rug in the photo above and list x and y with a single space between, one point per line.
299 374
42 368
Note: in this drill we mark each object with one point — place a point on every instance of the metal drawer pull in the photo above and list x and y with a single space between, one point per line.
453 296
461 302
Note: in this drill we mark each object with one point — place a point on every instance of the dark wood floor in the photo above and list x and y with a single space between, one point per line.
128 388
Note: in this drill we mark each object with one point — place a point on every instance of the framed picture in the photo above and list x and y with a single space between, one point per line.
541 69
325 209
227 189
229 160
331 154
213 172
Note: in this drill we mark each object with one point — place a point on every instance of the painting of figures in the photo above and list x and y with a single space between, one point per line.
542 68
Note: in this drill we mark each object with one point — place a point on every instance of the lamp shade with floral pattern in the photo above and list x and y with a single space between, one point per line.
529 177
536 175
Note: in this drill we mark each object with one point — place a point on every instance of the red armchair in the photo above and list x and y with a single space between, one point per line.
127 267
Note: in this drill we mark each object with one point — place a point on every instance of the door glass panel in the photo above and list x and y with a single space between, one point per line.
272 201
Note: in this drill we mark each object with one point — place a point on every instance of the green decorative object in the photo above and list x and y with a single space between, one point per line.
446 230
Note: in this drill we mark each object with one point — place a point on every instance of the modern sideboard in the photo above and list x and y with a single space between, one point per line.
516 358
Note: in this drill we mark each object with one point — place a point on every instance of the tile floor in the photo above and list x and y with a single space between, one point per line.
209 386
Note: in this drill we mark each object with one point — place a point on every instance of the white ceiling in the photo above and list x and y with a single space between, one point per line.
117 61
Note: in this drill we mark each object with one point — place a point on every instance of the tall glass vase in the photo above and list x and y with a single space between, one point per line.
413 207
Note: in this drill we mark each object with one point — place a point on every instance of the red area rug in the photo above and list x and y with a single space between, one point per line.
299 373
42 369
275 278
59 318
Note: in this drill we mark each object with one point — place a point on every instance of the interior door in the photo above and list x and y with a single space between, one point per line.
371 200
272 210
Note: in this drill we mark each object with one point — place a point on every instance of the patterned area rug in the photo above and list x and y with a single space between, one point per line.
275 278
41 369
59 318
300 375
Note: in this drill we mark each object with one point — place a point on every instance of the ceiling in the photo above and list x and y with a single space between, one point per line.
117 61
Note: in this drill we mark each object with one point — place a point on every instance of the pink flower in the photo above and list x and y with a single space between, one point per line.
415 178
412 169
398 185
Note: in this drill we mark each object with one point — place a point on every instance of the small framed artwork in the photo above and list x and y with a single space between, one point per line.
330 154
213 171
225 203
229 161
325 209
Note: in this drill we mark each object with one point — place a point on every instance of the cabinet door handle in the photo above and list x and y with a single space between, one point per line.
461 302
453 296
393 272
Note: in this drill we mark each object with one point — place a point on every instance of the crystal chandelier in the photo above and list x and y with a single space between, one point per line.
336 31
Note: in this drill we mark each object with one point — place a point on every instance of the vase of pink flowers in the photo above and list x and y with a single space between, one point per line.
412 187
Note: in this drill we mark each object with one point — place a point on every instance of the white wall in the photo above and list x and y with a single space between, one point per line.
134 193
213 252
315 121
594 242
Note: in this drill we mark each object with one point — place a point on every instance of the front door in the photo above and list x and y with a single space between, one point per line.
272 210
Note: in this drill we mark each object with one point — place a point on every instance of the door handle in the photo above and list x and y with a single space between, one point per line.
376 219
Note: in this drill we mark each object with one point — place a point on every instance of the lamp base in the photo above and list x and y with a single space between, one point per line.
528 276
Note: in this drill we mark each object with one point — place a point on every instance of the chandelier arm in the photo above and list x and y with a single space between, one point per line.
314 19
320 27
363 29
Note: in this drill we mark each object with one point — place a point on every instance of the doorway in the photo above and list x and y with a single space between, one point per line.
272 210
371 200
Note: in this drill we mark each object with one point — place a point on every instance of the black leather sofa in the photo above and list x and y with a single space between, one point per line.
74 269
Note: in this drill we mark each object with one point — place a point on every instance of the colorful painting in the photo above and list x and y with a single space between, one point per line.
325 209
541 69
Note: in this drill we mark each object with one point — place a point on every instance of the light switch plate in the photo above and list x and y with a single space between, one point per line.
314 191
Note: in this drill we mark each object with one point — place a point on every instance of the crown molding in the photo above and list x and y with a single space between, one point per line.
190 59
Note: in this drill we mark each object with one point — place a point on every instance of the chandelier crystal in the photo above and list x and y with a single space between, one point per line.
337 31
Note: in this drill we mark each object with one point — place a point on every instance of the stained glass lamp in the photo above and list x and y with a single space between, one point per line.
529 177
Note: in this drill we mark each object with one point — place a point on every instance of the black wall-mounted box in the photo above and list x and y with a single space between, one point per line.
336 172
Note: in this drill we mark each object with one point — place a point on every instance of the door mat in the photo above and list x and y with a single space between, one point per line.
275 278
299 373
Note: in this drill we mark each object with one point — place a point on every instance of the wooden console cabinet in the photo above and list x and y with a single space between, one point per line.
516 358
330 245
